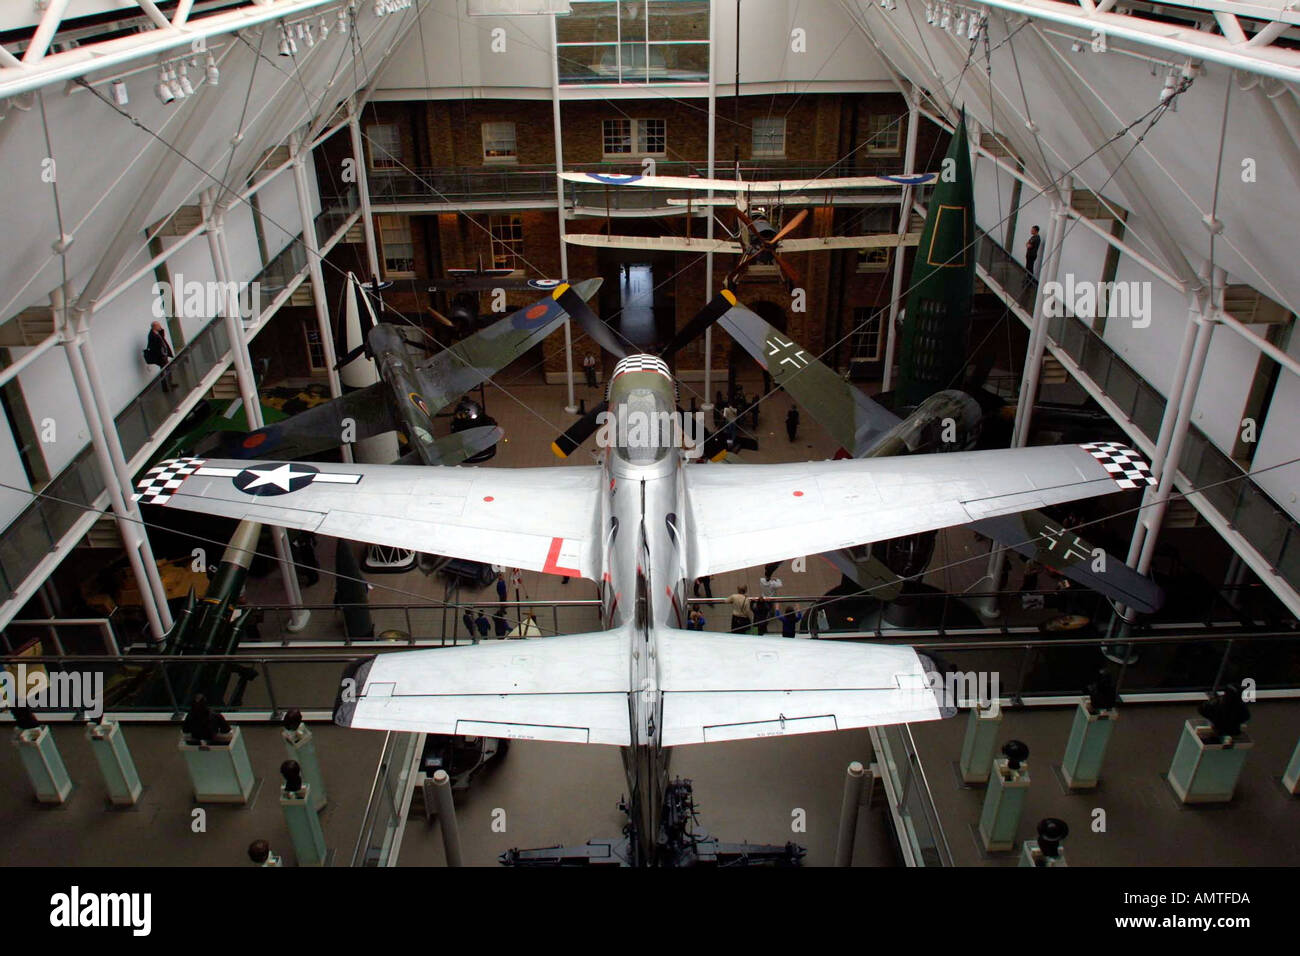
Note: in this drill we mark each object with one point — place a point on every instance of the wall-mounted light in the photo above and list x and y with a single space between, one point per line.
119 93
214 75
163 90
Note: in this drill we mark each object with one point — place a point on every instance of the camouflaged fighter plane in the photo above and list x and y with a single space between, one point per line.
414 387
866 429
643 526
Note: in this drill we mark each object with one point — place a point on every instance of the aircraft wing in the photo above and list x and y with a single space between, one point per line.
671 243
815 184
1035 536
476 358
844 410
572 689
316 430
813 507
733 686
881 240
541 519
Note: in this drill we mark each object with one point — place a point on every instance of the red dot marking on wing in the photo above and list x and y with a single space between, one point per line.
252 441
536 312
798 494
488 498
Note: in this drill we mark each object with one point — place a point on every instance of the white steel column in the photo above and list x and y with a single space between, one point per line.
1038 339
1034 352
709 291
136 545
363 189
118 460
1164 465
572 406
248 392
904 217
312 245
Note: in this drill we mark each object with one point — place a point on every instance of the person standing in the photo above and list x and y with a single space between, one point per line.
589 369
707 581
502 622
1031 251
762 608
790 620
483 624
740 610
158 352
792 423
468 620
695 620
501 586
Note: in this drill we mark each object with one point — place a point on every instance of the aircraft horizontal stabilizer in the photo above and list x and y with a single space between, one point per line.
733 686
570 689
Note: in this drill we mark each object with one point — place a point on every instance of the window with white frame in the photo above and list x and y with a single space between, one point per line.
398 249
315 348
507 241
866 334
385 145
872 221
499 144
634 137
768 137
882 134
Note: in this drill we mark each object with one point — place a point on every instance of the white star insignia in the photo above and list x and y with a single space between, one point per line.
281 477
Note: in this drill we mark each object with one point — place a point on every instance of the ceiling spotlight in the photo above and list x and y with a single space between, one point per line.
929 14
214 75
287 46
961 24
1076 47
324 28
119 93
187 88
343 21
163 89
311 40
946 18
976 27
174 83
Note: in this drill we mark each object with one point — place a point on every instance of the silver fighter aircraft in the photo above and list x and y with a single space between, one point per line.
643 524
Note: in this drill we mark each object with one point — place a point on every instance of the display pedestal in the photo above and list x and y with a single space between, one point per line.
301 747
980 744
1206 768
44 765
220 773
1291 776
304 826
1003 803
115 764
1086 748
1032 855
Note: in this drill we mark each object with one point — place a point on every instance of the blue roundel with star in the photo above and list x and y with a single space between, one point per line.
275 478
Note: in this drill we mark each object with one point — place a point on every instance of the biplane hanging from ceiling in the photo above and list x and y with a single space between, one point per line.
761 231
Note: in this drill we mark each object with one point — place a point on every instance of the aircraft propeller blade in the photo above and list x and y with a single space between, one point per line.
356 353
578 432
578 309
441 318
790 226
718 305
787 271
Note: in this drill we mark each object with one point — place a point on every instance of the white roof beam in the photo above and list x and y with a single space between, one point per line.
1256 56
38 68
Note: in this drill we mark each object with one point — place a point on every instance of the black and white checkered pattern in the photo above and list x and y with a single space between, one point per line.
161 481
1123 464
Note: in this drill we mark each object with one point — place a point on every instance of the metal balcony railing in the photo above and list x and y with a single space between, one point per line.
1246 507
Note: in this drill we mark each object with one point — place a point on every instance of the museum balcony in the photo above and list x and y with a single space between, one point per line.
1220 490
